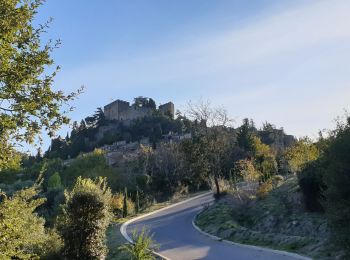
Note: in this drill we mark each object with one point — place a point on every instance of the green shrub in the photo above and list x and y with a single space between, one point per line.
91 165
54 181
50 209
22 232
312 186
118 202
85 218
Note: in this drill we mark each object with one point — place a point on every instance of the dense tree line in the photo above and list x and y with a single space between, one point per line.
325 181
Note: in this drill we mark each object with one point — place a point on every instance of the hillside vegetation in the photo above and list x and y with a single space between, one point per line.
278 221
307 213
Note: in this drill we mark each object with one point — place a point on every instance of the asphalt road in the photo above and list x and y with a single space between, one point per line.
178 239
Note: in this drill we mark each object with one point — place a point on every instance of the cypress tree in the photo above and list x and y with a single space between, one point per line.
137 201
125 203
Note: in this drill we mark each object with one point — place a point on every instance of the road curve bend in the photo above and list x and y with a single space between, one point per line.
172 228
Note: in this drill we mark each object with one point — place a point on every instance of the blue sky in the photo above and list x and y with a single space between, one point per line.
283 61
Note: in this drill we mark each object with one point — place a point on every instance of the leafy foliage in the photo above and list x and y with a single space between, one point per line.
85 218
90 165
22 232
245 135
141 247
302 152
117 204
54 181
28 103
312 185
337 180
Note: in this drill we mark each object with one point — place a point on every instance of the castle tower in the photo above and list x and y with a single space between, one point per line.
168 109
116 109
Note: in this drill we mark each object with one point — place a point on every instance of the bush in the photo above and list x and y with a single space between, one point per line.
85 218
312 186
50 209
264 189
118 202
91 165
54 181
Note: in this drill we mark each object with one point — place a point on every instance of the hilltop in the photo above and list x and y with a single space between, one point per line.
123 127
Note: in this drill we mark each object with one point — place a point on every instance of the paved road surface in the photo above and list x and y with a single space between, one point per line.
173 230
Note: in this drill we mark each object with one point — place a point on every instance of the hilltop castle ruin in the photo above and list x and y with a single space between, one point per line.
122 110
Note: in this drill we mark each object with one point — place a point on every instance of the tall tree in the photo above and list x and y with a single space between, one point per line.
302 152
212 129
245 135
337 180
28 103
97 119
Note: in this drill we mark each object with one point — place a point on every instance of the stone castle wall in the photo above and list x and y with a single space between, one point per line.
121 110
116 109
167 108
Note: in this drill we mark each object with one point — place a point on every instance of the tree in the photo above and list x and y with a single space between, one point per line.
244 170
125 203
22 232
137 201
165 166
245 135
54 181
152 104
96 120
312 186
337 180
85 218
212 129
302 152
265 160
195 163
28 103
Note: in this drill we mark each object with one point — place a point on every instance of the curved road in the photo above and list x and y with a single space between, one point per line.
178 239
